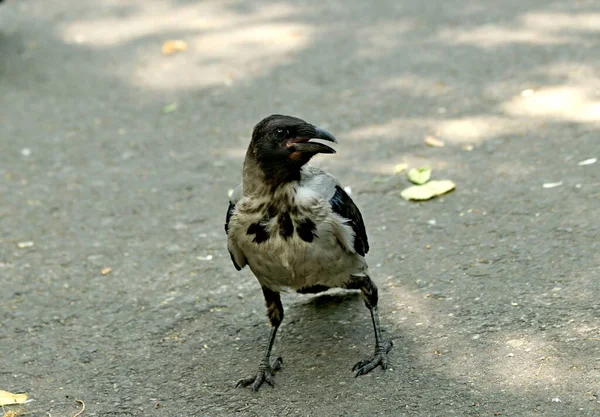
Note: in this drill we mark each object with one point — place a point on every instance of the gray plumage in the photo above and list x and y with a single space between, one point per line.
296 228
289 262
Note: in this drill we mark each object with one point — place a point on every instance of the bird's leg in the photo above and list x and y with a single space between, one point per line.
266 369
371 297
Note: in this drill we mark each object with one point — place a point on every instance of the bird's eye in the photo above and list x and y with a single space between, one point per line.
281 133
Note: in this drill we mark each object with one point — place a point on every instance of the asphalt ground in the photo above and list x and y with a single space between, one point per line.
116 287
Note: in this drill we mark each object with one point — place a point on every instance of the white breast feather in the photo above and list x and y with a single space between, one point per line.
293 263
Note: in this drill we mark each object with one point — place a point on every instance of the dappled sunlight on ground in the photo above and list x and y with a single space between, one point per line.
382 38
575 98
225 57
389 129
573 103
464 130
224 45
476 129
236 154
162 17
504 359
124 156
537 28
559 22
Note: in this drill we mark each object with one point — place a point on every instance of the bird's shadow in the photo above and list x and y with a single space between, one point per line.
339 306
328 299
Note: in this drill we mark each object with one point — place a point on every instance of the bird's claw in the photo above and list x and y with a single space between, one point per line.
265 373
380 358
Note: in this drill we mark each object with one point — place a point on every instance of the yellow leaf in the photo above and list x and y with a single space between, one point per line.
427 191
399 168
419 176
170 47
106 271
434 142
8 398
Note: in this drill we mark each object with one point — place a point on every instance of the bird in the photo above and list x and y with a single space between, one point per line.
297 229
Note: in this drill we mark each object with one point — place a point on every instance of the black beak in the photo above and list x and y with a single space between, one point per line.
302 142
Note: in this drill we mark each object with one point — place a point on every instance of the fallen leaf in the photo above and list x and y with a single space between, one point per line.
419 176
399 168
434 142
15 413
427 191
169 108
170 47
552 184
106 271
588 162
24 245
8 398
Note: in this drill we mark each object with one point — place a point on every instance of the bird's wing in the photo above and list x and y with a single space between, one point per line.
341 204
236 195
237 257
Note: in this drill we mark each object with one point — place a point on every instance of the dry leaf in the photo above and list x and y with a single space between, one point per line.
106 271
8 398
170 47
587 162
15 413
427 191
434 142
419 176
399 168
552 184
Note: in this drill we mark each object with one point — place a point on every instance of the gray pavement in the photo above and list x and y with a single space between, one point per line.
490 293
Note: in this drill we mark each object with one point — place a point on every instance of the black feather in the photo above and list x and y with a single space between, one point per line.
313 289
239 268
342 204
306 230
259 231
230 211
286 226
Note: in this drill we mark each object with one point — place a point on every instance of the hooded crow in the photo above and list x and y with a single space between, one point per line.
296 228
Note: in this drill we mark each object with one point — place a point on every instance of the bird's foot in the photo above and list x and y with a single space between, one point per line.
265 373
380 358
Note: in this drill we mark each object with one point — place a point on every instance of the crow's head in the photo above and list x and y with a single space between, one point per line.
282 144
